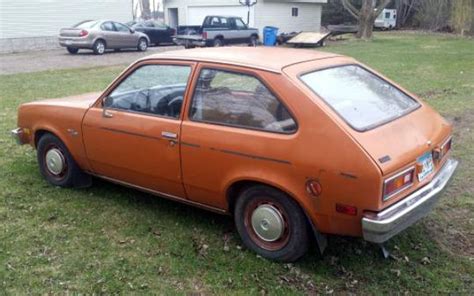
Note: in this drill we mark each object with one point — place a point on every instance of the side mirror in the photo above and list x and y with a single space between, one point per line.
107 102
132 30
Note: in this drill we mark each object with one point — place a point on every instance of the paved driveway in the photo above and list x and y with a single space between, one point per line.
61 59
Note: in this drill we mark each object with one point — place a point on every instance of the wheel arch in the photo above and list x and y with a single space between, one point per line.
238 186
101 38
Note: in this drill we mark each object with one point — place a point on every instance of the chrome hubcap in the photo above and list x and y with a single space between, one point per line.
267 222
55 161
100 47
142 45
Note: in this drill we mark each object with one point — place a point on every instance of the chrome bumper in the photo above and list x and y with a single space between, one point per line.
17 135
384 225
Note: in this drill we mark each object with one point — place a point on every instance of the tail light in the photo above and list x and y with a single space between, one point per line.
204 35
398 183
83 33
440 152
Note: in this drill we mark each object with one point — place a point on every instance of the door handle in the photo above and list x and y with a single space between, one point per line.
169 135
107 114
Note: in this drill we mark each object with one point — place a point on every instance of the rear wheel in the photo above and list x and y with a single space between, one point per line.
142 44
72 50
271 224
99 47
218 42
56 163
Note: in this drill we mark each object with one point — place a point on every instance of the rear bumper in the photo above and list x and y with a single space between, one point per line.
190 42
75 42
382 226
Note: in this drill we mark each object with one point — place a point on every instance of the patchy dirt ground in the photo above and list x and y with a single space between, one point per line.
61 59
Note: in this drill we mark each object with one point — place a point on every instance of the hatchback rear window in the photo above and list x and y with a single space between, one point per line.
361 98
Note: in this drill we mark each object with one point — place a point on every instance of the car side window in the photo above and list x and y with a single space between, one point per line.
107 26
241 100
121 28
152 89
240 24
149 24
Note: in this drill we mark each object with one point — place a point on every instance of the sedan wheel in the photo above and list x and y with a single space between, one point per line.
99 47
271 224
142 44
72 50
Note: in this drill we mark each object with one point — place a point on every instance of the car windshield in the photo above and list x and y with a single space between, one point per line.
361 98
86 25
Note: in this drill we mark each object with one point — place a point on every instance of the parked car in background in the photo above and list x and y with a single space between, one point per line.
216 31
292 143
156 31
100 36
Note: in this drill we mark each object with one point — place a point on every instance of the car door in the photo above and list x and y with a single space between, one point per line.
235 125
163 32
110 34
242 33
125 37
132 133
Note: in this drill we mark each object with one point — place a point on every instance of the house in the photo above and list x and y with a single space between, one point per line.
30 24
287 15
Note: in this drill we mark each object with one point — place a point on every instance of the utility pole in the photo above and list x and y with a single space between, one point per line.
248 3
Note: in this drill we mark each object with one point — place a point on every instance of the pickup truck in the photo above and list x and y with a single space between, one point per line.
216 31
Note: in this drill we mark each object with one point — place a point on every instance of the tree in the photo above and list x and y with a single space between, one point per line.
366 15
405 9
461 15
145 6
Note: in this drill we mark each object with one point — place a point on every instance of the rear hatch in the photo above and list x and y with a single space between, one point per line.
396 130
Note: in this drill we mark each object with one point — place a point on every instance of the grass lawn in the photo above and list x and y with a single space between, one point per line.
116 240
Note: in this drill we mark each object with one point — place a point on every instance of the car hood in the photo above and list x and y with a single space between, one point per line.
400 142
83 101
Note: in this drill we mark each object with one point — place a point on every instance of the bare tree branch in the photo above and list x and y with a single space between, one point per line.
381 6
351 8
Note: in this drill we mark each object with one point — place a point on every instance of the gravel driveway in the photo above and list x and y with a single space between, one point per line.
61 59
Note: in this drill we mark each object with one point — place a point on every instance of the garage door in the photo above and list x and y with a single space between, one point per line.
196 14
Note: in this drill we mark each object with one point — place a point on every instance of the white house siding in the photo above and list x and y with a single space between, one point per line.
278 14
265 13
190 11
37 18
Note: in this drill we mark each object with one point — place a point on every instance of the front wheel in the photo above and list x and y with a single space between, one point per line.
271 224
253 41
56 163
142 44
218 42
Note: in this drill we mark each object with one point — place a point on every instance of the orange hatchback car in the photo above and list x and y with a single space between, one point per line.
293 143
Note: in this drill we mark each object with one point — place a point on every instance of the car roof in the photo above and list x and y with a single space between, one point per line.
272 59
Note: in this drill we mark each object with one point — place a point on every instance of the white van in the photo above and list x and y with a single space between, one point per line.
387 19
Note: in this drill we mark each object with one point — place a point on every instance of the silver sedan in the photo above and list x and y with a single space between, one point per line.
102 35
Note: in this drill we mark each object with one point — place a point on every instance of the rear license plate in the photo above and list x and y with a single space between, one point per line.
68 42
427 167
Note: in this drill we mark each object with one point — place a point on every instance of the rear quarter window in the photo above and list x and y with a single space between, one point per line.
363 99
